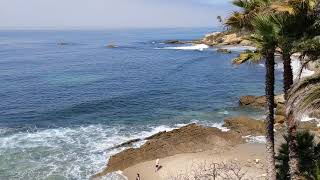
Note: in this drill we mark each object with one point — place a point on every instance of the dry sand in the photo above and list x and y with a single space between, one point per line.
244 154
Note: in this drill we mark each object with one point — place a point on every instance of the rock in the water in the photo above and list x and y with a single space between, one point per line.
174 42
111 46
259 101
63 44
225 51
253 101
245 125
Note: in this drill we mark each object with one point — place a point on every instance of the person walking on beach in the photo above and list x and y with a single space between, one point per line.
138 177
157 165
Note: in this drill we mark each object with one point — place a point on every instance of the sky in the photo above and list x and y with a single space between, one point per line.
66 14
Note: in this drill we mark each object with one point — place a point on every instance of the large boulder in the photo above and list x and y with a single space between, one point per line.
254 101
245 125
259 101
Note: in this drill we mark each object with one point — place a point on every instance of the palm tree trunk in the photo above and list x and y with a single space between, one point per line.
271 169
293 148
291 123
287 74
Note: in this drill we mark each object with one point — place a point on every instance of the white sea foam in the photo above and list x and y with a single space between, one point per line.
72 153
238 48
198 47
296 68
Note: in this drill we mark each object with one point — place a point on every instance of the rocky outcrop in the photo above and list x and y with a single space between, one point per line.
188 139
224 38
245 125
225 51
174 42
259 101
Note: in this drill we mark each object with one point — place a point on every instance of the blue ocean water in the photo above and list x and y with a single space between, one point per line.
66 98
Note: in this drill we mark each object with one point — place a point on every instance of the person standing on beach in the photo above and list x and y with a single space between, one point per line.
157 165
138 177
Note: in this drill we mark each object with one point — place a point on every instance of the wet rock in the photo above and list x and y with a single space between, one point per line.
174 42
127 143
63 44
259 101
253 101
111 46
245 125
225 51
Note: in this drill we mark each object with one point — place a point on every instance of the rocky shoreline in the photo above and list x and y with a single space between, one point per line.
195 138
217 39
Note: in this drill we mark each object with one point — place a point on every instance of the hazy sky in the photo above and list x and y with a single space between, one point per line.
110 13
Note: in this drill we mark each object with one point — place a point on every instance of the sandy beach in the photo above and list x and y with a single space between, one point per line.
244 154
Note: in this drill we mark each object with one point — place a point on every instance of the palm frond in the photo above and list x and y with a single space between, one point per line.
304 97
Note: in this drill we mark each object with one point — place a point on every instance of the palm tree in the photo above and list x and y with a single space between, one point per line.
303 99
292 14
265 39
309 153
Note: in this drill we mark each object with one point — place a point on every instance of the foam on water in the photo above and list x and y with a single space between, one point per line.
68 153
296 68
239 48
199 47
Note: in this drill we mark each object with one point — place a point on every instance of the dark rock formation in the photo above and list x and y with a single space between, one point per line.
174 42
225 51
127 143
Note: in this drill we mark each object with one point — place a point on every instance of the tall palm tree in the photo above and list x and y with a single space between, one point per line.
292 14
265 38
255 19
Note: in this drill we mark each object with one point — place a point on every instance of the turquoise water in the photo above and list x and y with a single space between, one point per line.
66 98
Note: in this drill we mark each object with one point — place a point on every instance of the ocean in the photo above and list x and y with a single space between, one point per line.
66 98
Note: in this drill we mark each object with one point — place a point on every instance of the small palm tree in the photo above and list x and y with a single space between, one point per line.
309 153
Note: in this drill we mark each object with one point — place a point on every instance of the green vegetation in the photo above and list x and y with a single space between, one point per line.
284 27
309 157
